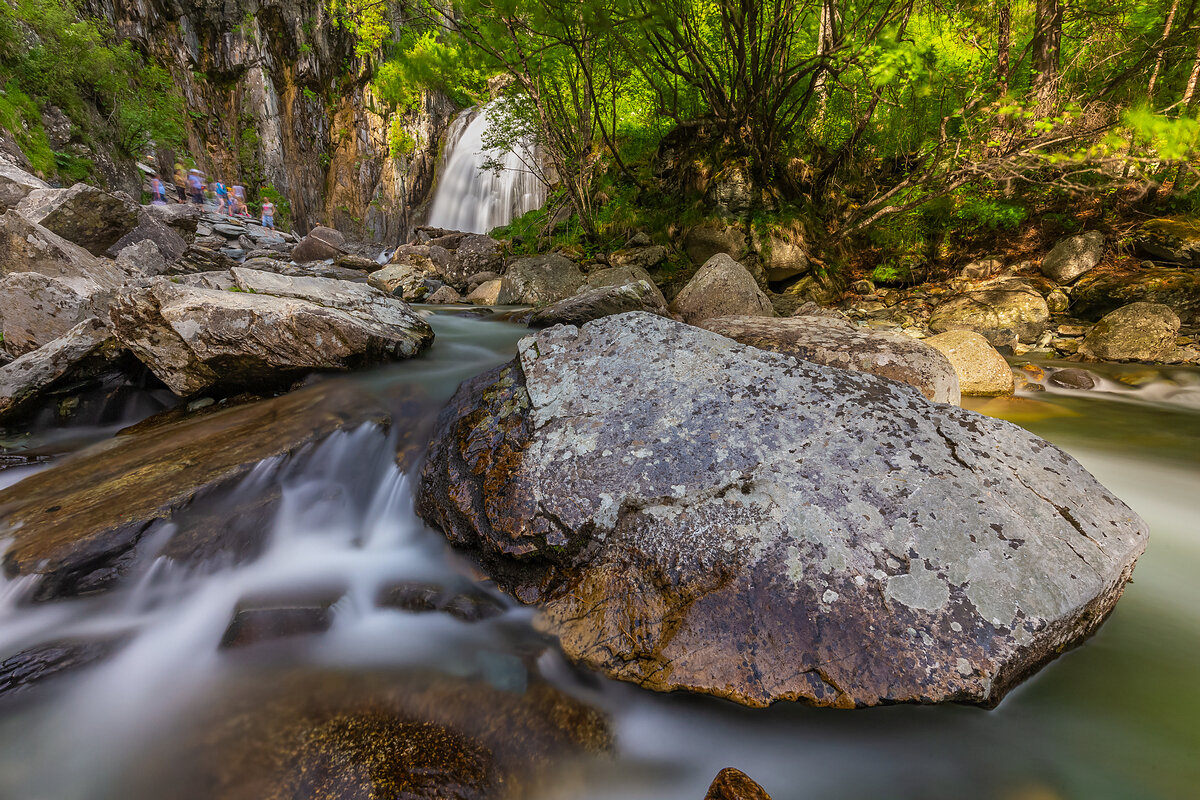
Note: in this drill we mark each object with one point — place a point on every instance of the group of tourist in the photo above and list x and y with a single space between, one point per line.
190 185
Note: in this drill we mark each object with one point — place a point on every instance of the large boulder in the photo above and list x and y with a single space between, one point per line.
79 523
704 241
198 258
36 309
982 372
1099 293
27 247
539 280
24 380
691 513
836 343
1004 311
1136 332
1072 257
721 288
16 184
89 217
183 217
142 259
603 301
1174 240
781 250
152 228
320 244
197 339
473 254
486 293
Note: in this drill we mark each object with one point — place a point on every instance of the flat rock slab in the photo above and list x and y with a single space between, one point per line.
691 513
77 523
836 343
23 381
195 339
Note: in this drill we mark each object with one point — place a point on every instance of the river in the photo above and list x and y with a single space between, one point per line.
1115 718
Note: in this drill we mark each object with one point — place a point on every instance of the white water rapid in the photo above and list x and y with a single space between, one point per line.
469 196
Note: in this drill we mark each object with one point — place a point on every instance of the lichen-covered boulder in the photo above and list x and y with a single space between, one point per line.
84 215
36 309
982 371
721 288
539 280
1004 311
600 302
837 343
1136 332
16 184
1101 292
704 241
691 513
1072 257
402 280
28 247
1174 240
197 339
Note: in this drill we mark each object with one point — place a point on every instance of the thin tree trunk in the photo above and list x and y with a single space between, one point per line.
1047 41
825 44
1189 97
1004 44
1162 50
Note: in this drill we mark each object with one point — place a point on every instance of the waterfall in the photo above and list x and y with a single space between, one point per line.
472 198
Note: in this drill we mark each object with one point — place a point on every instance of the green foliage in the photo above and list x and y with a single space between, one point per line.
401 143
367 20
55 56
422 61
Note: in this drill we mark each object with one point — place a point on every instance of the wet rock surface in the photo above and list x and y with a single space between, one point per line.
34 665
733 784
836 343
692 513
78 523
360 736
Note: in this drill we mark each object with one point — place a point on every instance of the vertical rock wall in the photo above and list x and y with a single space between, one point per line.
276 96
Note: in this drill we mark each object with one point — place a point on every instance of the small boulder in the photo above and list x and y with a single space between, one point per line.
1057 301
1004 311
639 257
602 301
84 215
444 294
16 184
1073 378
539 280
836 343
151 228
354 261
982 372
320 244
1072 257
486 294
721 288
1136 332
200 259
473 253
198 339
782 251
401 280
24 380
142 259
480 278
982 270
733 784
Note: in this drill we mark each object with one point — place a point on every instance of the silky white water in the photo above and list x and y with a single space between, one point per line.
469 196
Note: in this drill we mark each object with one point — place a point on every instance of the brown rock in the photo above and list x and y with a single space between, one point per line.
982 372
733 784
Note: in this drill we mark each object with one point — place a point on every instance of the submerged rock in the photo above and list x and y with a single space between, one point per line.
34 665
982 372
78 523
1136 332
692 513
721 288
357 736
600 302
195 339
837 343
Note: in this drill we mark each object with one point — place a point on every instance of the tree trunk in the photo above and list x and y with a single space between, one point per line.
1189 97
1047 41
825 44
1004 43
1162 50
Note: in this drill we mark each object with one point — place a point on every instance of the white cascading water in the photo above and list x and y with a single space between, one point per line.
471 197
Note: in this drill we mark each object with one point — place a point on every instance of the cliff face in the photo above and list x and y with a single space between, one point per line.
276 96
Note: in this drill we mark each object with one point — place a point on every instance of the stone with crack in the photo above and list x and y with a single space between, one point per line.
691 513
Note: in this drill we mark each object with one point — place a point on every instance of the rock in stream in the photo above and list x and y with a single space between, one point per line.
695 514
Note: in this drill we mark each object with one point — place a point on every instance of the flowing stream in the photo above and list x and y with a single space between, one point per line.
470 195
1116 718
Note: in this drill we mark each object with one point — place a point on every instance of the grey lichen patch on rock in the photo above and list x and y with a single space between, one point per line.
693 513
